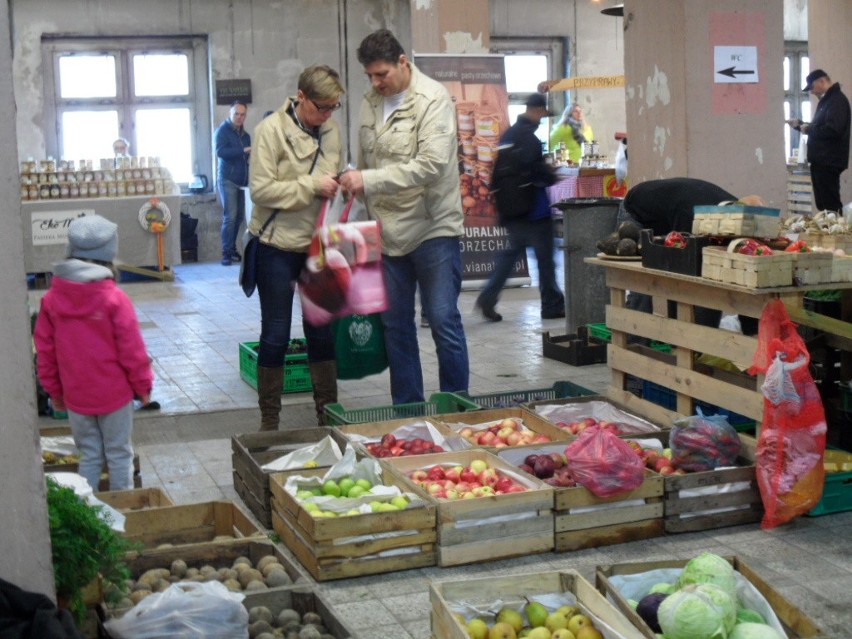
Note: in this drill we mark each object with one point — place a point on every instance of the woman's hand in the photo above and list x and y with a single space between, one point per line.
352 181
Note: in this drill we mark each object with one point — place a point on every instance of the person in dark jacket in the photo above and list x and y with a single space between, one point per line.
533 228
233 147
828 139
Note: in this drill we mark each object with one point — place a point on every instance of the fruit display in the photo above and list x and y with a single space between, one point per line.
452 482
659 461
534 621
551 468
706 599
578 426
509 431
345 497
574 417
391 446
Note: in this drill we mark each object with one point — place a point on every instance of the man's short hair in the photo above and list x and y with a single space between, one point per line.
320 82
237 103
380 46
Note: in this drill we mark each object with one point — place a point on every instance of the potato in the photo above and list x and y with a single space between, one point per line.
267 559
251 574
242 560
227 573
311 617
286 616
278 578
260 613
138 595
178 568
259 627
255 585
233 585
268 568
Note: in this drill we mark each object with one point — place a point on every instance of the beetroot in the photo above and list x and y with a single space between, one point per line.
647 609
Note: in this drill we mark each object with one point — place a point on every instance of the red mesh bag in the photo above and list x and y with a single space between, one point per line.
790 450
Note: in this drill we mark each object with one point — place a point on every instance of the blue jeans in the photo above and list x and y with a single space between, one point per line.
434 266
277 274
537 234
233 214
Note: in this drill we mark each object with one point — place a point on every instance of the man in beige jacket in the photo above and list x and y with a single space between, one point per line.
408 173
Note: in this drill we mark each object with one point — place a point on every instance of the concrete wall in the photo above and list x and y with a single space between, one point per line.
682 122
829 23
25 560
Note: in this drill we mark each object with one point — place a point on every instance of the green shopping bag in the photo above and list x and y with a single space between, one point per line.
359 343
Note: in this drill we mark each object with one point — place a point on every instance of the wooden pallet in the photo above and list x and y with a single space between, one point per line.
357 545
796 623
467 530
251 451
512 590
800 194
213 522
136 499
581 519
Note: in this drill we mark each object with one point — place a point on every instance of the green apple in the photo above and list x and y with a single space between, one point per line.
376 506
511 617
331 488
346 485
317 514
364 483
310 507
316 492
352 511
400 501
304 494
356 491
478 465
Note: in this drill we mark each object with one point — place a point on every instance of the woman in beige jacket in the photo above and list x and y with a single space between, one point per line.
295 158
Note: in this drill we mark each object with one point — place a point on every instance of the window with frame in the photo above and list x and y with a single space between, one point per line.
797 103
526 62
151 91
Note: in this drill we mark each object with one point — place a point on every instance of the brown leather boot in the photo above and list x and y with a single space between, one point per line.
270 384
324 380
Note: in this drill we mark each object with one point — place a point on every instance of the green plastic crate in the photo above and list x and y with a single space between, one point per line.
297 374
836 494
438 403
559 390
603 333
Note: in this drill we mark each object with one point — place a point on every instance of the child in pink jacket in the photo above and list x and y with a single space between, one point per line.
91 356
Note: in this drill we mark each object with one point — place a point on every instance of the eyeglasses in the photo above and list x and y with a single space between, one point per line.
325 108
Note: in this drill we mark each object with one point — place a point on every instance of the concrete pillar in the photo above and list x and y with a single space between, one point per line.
26 559
681 120
829 48
449 26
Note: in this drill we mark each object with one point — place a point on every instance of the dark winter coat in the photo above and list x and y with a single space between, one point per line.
828 132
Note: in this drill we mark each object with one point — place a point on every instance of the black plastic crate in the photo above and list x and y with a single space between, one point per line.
574 349
687 260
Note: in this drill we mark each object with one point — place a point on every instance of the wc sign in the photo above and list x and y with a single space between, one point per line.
735 65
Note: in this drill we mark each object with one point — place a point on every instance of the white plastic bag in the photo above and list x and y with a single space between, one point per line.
325 452
185 610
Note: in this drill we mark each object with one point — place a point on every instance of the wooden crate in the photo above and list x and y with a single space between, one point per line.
512 590
742 503
813 267
751 271
488 417
342 547
797 624
212 522
800 194
136 499
621 412
467 531
249 452
301 600
609 521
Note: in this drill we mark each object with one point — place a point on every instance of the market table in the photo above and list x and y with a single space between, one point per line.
678 371
45 230
577 182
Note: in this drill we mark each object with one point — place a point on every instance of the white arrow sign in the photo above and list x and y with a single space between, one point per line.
735 64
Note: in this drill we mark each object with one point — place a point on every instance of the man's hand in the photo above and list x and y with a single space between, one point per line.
246 150
328 186
352 181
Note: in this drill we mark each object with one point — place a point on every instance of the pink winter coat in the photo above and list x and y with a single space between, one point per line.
90 349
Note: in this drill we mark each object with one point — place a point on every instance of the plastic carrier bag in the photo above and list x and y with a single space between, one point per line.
701 443
185 610
602 462
791 447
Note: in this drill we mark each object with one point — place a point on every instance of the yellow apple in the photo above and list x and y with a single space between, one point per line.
576 622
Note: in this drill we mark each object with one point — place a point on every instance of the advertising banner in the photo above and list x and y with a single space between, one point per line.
477 84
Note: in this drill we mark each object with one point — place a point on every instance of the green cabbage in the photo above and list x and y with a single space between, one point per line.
662 587
708 568
697 612
747 614
749 630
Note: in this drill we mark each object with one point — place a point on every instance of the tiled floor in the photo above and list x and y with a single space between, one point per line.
193 327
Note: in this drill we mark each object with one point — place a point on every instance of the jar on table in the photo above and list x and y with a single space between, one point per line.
102 189
33 192
149 187
131 187
44 191
64 191
54 191
120 188
74 190
25 192
112 190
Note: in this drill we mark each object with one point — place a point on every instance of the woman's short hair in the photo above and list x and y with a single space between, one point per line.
320 82
380 46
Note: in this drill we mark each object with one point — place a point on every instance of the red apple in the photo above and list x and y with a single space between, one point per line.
488 477
541 439
514 438
467 475
510 422
453 473
466 432
504 432
559 460
516 488
436 472
503 484
419 475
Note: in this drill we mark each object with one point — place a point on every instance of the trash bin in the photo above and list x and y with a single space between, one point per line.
585 221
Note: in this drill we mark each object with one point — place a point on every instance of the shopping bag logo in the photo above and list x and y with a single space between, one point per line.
360 330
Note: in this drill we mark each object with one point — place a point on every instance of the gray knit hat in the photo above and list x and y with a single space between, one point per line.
92 237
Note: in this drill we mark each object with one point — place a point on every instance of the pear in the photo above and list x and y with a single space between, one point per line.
563 633
536 613
555 621
477 629
511 617
540 633
502 630
568 611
